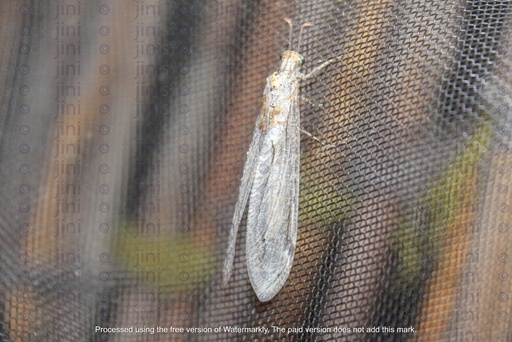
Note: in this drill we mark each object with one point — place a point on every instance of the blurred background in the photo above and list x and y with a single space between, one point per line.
125 126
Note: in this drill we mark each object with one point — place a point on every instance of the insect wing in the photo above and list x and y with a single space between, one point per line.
245 189
273 207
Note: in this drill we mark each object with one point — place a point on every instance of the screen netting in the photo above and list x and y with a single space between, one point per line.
125 126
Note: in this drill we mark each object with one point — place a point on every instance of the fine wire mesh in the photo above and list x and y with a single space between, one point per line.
380 214
405 203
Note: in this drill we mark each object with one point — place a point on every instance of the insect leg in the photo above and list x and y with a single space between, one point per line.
320 68
311 102
316 139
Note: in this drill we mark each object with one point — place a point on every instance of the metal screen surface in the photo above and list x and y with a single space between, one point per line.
125 127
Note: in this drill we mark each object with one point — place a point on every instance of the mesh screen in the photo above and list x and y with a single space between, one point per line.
125 127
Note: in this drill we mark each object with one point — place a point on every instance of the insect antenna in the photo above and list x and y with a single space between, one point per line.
300 34
289 21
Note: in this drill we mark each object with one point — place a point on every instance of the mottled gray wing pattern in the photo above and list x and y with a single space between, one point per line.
245 189
273 205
